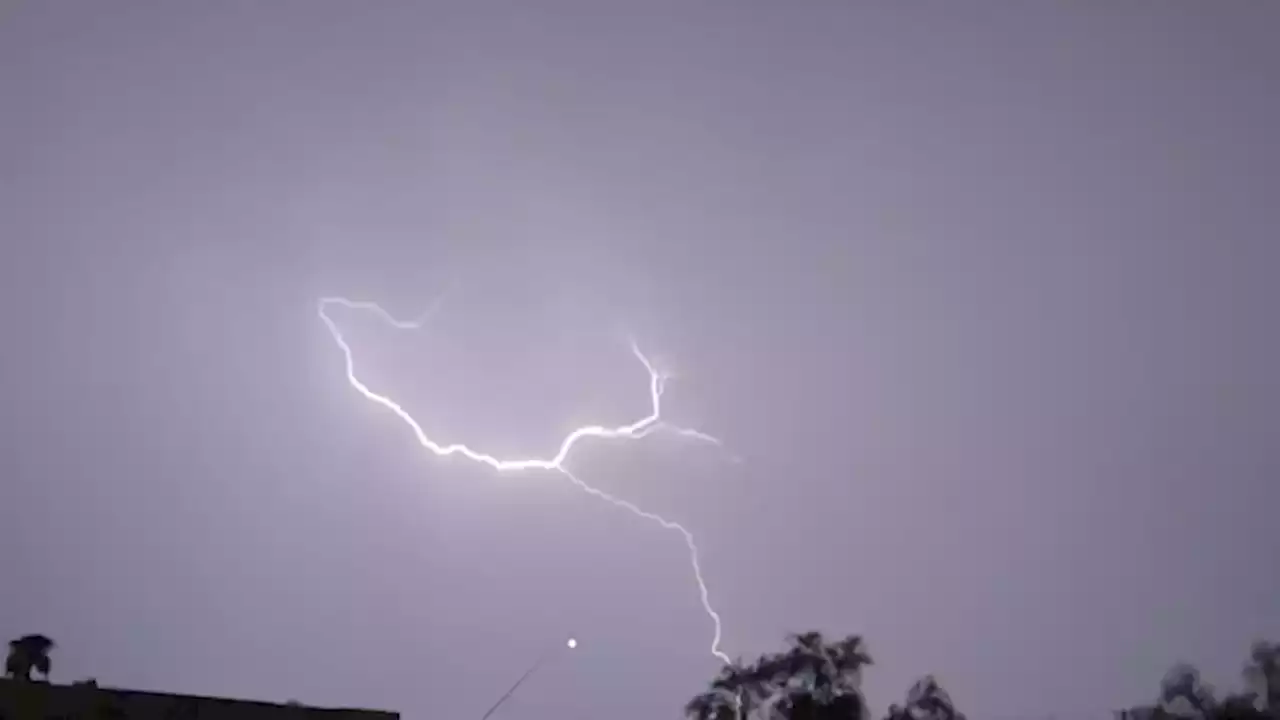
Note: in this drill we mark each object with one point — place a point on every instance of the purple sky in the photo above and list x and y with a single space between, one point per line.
984 295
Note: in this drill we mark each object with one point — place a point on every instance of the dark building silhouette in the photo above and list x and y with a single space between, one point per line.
86 701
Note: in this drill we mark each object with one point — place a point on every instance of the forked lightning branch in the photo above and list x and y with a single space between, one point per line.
639 429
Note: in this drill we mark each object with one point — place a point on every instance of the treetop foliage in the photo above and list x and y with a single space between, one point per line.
817 679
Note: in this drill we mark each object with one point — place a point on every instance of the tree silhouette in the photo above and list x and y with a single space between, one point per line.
1184 696
926 700
1262 674
815 679
812 680
731 691
28 653
1239 707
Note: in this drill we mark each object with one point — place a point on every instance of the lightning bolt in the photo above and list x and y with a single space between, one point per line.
635 431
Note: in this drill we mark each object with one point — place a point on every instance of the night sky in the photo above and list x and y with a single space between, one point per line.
983 294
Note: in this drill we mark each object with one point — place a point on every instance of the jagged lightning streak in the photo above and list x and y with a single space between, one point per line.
636 430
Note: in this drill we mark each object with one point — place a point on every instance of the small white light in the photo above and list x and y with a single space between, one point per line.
572 643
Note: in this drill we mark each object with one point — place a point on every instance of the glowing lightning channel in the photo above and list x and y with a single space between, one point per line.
636 430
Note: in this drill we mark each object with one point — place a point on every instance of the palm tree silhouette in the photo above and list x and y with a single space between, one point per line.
28 653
